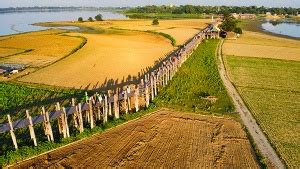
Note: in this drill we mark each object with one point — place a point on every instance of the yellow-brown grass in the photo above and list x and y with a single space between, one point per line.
9 51
46 46
104 57
261 45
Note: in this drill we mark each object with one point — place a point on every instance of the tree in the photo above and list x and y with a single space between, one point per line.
229 22
91 19
238 30
80 19
155 21
99 17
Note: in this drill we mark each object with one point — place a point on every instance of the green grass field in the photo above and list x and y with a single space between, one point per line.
271 89
197 79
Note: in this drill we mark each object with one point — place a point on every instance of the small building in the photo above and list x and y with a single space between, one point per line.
213 32
15 71
244 16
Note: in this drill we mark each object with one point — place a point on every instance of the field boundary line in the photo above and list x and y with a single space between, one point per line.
255 131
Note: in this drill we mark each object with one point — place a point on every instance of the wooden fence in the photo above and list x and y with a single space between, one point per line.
100 106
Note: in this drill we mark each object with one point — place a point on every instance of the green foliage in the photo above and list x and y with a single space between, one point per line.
238 30
229 22
173 41
99 17
91 19
155 21
190 9
197 79
80 19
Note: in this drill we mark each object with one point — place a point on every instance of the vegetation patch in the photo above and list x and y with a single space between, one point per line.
197 79
271 89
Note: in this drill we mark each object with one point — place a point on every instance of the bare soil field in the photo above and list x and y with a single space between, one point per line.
253 44
105 60
43 47
163 139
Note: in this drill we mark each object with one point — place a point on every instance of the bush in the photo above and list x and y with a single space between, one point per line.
91 19
99 17
238 30
155 22
80 19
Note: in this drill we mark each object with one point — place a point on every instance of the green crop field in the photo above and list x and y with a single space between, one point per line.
271 89
196 82
15 98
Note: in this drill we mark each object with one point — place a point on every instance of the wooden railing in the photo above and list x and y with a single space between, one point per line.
100 106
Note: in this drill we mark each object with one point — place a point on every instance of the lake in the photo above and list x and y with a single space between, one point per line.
288 28
18 22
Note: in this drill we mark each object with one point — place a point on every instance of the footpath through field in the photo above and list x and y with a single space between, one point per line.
258 136
163 139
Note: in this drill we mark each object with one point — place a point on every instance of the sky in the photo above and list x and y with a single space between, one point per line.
126 3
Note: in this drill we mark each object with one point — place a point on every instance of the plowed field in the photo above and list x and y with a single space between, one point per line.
162 139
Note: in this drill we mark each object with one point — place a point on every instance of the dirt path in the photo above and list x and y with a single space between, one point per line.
164 139
259 138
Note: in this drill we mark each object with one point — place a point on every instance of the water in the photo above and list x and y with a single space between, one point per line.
18 22
287 28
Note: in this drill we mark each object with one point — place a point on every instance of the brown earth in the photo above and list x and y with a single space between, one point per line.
161 139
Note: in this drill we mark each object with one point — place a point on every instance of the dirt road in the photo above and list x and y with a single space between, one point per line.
258 136
162 139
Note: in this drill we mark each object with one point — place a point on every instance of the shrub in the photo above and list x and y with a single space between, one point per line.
99 17
238 30
155 22
91 19
80 19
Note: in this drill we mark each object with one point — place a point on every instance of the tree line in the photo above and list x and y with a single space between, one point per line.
191 9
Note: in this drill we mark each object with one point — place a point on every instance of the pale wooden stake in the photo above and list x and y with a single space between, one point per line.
136 98
80 118
109 104
48 130
128 98
155 85
98 108
12 134
147 97
106 109
31 129
152 86
66 122
116 106
125 101
75 115
91 113
61 121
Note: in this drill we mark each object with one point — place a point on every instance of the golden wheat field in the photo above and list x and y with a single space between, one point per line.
4 52
105 59
43 47
164 139
253 44
181 34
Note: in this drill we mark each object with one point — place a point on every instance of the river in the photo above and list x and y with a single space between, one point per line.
18 22
287 28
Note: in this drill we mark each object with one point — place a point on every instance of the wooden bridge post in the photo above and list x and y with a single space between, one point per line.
12 134
91 113
128 90
66 122
116 106
152 85
147 97
61 122
125 100
136 98
109 104
105 109
80 118
31 129
99 98
48 128
155 84
75 115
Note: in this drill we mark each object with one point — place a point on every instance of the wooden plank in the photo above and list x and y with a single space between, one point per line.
147 97
66 122
136 98
75 114
105 114
152 85
91 113
128 91
12 134
125 100
31 129
116 106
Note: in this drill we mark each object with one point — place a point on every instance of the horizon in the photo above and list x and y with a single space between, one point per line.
132 3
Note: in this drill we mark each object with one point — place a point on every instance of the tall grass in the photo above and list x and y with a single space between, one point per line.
197 79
